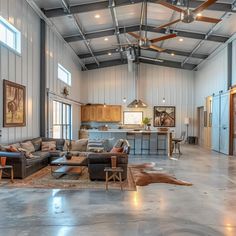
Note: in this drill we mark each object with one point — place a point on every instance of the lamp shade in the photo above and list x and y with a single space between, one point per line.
186 120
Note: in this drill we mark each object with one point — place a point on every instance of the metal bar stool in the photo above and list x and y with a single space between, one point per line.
131 140
146 137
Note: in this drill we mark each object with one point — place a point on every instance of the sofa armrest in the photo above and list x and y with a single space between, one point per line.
95 158
14 157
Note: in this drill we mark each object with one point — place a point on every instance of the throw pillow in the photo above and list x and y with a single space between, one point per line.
37 143
28 146
79 145
11 148
48 146
116 150
27 154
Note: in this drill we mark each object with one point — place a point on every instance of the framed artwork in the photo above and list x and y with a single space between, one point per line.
13 104
164 116
133 117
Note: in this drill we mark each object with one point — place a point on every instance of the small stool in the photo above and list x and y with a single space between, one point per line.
7 167
115 175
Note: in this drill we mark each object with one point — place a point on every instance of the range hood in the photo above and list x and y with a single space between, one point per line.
136 103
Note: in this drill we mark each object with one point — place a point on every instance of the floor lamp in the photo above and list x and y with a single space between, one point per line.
186 122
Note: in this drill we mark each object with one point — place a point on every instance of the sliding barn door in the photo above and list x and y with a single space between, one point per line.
224 124
220 123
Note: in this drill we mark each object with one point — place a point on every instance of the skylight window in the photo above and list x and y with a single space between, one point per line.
64 75
9 35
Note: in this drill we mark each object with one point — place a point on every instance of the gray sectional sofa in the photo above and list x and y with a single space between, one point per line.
24 166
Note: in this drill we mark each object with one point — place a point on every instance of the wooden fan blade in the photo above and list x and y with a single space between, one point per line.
208 19
136 36
170 6
154 47
169 36
203 6
168 24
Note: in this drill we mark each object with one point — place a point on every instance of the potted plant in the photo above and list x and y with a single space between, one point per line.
147 123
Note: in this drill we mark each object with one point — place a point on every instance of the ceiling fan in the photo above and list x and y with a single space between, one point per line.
143 41
188 15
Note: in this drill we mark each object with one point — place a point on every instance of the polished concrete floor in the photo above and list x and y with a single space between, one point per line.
207 208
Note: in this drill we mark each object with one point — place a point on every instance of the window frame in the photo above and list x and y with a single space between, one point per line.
62 68
17 36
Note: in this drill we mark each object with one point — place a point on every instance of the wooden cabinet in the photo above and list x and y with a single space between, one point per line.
100 113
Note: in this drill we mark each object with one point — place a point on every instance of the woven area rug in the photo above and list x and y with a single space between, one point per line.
44 179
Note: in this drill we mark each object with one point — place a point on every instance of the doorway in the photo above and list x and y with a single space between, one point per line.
200 114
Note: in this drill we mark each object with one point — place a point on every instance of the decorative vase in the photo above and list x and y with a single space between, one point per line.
68 156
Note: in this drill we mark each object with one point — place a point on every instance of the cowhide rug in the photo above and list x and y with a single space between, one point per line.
145 174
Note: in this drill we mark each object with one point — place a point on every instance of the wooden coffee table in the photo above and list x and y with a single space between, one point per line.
61 166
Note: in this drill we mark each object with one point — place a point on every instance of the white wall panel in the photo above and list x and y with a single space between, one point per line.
234 63
211 78
22 69
58 52
111 84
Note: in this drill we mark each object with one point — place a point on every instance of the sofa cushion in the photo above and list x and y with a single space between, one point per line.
41 154
48 146
56 153
37 142
28 146
59 142
34 160
76 145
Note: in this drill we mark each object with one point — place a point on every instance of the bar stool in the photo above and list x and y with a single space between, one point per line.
146 138
131 140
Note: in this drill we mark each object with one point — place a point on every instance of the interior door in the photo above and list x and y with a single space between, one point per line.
215 141
224 123
220 123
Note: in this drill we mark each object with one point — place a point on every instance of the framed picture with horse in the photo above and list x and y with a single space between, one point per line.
13 104
164 116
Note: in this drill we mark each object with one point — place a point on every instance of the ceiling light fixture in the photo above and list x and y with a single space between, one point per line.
109 53
181 40
106 39
163 100
172 54
199 14
97 16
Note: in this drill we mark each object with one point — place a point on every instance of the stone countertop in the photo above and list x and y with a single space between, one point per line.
125 131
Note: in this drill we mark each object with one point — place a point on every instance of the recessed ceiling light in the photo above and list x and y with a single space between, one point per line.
172 54
109 53
199 14
181 39
97 16
106 39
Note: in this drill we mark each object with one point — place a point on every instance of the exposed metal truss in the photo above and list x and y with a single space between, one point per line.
110 32
226 7
66 8
112 6
202 41
166 63
169 51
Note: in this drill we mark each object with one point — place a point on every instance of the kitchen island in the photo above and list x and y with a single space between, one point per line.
144 142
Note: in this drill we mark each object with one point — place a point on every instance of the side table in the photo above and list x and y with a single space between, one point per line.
115 175
7 167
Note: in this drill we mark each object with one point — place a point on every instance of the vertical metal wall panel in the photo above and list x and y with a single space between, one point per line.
22 69
155 82
215 142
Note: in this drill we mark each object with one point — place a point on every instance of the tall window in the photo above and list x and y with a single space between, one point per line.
64 75
61 120
9 35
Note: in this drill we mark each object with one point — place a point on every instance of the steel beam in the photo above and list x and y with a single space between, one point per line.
82 8
110 32
112 6
165 63
230 65
169 51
